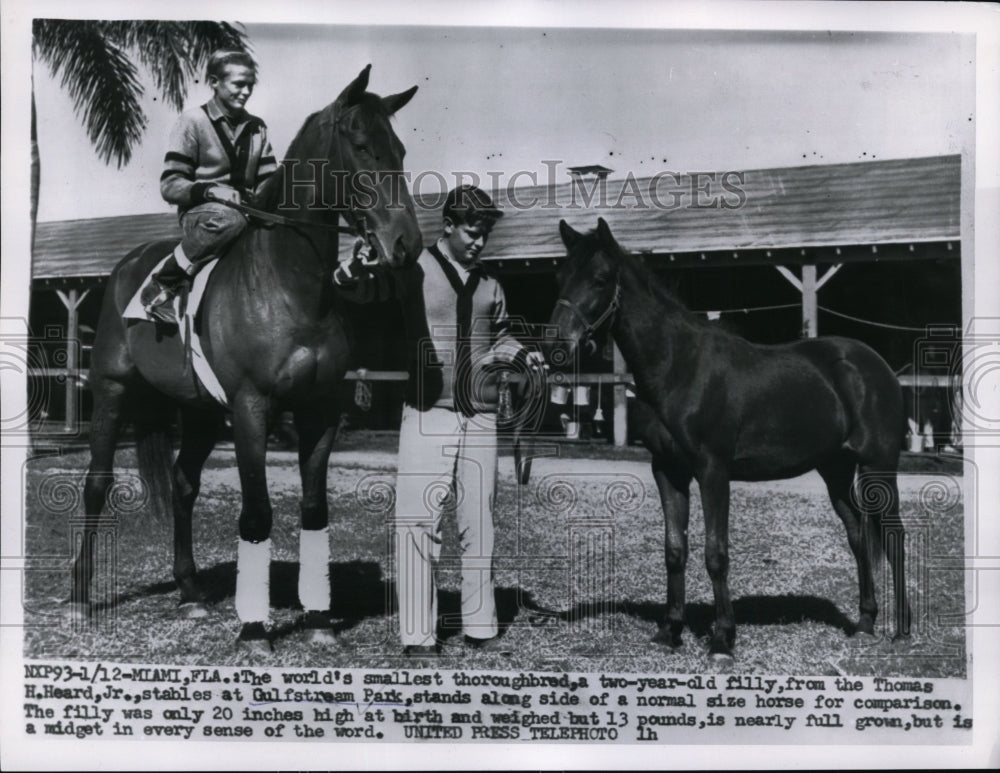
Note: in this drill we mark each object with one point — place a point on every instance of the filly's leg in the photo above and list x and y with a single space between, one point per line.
714 481
675 497
839 477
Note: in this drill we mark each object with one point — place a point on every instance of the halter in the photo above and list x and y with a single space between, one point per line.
589 328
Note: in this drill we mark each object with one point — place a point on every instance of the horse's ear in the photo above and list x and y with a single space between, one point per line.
604 232
354 91
397 101
568 234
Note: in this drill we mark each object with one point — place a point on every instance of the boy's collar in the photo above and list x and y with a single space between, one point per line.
215 113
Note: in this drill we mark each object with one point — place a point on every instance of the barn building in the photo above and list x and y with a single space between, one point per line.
869 250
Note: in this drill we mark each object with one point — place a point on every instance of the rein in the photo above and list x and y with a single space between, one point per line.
273 219
589 328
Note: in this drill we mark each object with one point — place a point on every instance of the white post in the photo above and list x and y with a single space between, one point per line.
72 300
620 402
809 310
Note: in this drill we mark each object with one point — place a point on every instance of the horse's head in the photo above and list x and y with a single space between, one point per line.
368 158
589 290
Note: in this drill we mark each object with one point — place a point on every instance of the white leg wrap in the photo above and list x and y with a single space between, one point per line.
314 570
182 260
253 567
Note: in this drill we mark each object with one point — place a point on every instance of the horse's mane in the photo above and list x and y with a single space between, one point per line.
303 146
648 279
274 185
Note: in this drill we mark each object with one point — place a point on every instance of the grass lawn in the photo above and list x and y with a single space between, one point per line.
579 569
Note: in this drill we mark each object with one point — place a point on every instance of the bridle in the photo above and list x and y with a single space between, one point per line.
272 219
589 328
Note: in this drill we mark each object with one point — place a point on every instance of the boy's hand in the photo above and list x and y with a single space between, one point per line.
223 193
350 271
536 361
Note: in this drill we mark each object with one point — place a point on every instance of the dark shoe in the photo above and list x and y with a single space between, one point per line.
421 652
157 301
157 297
493 645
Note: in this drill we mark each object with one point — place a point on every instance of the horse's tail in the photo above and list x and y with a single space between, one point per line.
155 454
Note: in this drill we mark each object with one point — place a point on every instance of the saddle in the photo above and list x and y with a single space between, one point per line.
185 307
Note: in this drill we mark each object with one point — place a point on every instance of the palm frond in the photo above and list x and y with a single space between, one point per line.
100 79
175 52
92 59
207 37
163 49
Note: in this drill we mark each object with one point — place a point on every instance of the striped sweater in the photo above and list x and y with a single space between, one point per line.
204 150
440 320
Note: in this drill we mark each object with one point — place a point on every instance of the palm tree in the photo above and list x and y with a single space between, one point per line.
96 62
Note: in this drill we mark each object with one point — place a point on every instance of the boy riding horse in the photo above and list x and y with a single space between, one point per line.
217 152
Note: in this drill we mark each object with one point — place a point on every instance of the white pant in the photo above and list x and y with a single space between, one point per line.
441 454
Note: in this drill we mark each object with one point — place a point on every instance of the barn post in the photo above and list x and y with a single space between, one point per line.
621 401
72 300
809 320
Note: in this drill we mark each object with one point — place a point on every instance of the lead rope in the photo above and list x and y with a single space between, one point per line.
363 391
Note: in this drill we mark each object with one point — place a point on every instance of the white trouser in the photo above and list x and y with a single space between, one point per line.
442 452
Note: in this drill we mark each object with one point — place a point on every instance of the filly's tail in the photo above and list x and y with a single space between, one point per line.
878 497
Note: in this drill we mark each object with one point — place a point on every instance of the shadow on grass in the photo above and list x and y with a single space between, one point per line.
363 592
748 610
360 592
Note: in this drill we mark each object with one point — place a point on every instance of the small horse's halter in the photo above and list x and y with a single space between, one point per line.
589 328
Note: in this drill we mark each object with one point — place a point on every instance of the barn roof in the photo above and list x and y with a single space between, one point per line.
866 204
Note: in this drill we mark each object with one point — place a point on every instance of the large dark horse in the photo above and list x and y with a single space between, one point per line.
726 409
273 333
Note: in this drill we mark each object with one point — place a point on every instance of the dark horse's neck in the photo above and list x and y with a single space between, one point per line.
655 332
296 191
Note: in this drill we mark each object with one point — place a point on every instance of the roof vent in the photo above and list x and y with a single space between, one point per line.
598 171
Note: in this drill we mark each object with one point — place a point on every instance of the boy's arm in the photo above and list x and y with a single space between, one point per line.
267 165
506 347
177 183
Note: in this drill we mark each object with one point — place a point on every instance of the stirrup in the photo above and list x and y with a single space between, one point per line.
164 296
161 308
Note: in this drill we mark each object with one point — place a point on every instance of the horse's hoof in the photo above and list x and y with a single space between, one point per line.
322 636
665 638
864 633
254 638
192 610
78 612
722 662
865 625
318 628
